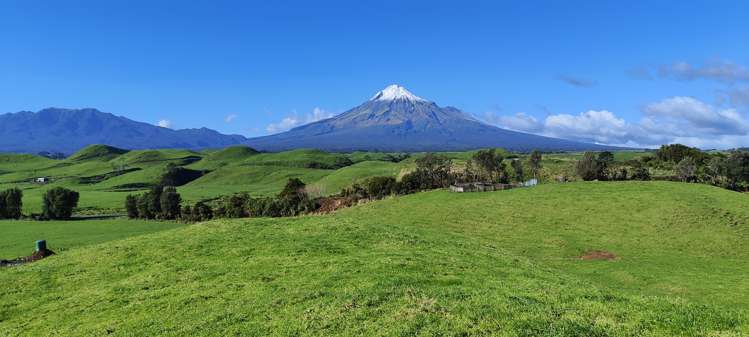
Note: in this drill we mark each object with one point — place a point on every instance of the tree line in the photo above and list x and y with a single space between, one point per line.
432 171
729 170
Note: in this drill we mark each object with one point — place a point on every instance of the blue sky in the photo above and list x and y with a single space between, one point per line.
637 73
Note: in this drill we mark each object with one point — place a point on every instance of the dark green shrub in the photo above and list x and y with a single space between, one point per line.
380 187
640 173
675 153
187 214
58 203
143 206
170 203
13 203
202 212
131 206
587 167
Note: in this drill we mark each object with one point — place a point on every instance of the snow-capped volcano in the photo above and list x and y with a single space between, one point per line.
394 119
395 92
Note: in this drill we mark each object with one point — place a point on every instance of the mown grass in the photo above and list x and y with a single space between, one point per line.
501 263
18 237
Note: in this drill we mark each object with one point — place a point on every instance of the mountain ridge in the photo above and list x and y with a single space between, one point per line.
69 130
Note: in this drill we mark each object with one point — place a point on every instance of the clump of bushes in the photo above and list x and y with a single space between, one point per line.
291 201
58 203
601 166
199 212
11 203
158 203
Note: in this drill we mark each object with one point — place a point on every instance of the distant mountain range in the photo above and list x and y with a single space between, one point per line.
393 120
67 131
397 120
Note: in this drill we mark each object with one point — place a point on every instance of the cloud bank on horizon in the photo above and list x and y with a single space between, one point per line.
677 119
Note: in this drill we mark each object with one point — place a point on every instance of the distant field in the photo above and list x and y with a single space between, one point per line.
504 263
94 173
18 237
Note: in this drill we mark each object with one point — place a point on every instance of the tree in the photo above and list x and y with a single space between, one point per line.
131 206
490 163
640 171
59 202
605 159
202 212
143 206
588 167
469 173
517 166
737 170
234 207
686 169
380 187
170 203
13 203
3 206
716 169
433 171
153 201
187 214
534 161
294 188
675 153
293 199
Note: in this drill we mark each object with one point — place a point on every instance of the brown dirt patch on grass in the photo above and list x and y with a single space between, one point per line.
598 255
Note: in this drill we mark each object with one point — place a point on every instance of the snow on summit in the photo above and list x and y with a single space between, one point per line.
394 92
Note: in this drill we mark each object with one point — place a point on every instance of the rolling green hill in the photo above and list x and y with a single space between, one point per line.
504 263
104 175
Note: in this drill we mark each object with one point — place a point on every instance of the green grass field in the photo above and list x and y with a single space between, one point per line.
18 237
501 263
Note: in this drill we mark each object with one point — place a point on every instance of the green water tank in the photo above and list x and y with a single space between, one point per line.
41 245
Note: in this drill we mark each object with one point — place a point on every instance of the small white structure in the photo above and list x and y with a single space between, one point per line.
42 180
529 183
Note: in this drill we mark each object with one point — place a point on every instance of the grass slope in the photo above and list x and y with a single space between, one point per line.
345 177
502 263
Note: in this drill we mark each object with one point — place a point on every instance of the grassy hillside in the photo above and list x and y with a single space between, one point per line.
105 175
344 177
501 263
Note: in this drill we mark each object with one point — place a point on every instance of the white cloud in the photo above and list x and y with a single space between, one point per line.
290 122
520 121
164 123
230 118
597 126
678 119
686 114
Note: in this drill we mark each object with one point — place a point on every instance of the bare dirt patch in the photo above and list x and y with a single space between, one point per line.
38 255
332 204
598 255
